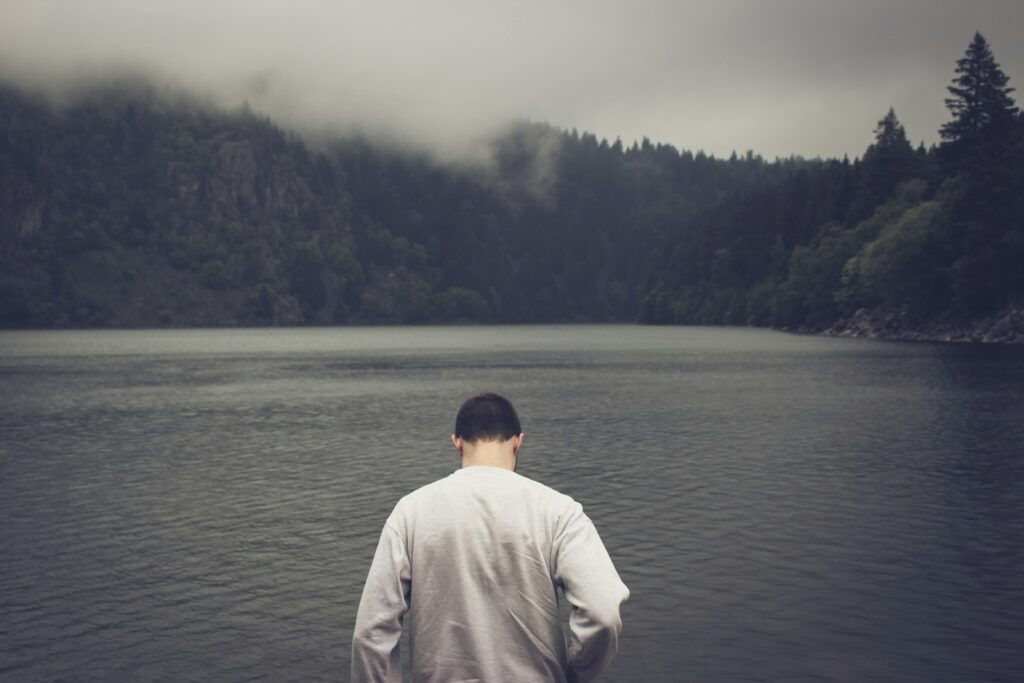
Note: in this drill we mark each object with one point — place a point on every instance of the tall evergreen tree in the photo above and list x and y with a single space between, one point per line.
978 147
890 136
980 95
889 160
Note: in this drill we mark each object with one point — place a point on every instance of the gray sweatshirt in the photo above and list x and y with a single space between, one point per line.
474 562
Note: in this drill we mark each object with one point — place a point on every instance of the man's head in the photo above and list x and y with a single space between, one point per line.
487 431
487 417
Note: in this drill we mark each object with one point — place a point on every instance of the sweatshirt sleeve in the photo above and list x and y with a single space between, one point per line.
375 652
595 592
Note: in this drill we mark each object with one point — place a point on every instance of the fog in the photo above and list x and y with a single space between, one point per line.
780 78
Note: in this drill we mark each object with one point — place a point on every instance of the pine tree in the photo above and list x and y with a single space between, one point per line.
978 147
889 160
890 136
981 98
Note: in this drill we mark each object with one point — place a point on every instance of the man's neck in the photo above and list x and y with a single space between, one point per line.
477 462
489 454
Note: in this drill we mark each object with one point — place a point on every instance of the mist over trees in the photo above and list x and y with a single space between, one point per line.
132 208
129 209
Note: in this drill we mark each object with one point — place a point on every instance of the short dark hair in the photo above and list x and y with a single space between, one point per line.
487 417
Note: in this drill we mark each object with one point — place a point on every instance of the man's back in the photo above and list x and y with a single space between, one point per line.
475 559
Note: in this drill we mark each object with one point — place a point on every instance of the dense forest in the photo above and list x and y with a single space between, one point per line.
127 205
920 237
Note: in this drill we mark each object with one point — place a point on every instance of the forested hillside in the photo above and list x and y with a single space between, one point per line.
133 207
129 206
904 239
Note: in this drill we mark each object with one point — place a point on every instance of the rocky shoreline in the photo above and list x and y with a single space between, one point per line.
1006 327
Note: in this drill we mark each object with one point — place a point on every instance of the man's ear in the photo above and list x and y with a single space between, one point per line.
517 443
457 442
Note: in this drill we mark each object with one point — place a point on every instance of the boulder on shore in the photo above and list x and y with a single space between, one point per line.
1005 326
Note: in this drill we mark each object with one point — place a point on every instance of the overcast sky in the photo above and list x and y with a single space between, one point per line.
780 77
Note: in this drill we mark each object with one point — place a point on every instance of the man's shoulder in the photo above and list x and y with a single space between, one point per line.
543 490
423 495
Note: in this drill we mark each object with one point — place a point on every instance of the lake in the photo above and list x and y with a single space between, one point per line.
202 505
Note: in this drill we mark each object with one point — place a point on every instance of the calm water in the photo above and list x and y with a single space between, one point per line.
203 505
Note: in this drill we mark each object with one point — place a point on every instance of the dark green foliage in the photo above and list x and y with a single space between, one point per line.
980 95
896 230
459 303
229 220
899 258
984 149
730 262
888 161
132 207
307 273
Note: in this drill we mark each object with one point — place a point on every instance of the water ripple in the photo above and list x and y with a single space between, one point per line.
203 505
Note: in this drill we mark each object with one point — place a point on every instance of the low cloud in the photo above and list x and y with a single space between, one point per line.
793 77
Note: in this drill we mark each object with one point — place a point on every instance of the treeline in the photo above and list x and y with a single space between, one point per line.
128 206
132 207
922 234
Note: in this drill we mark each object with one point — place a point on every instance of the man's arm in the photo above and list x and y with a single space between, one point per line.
375 653
593 588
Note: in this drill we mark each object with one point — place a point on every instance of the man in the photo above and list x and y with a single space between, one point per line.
476 560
